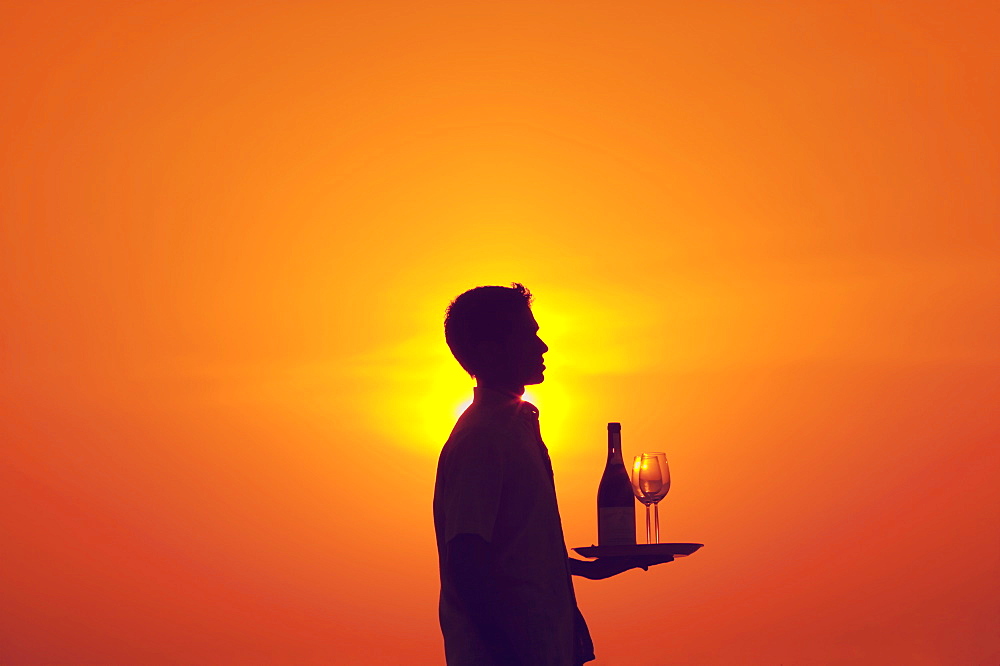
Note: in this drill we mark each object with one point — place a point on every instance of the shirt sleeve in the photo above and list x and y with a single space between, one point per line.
473 484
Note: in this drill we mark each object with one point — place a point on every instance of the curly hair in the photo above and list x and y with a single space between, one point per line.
479 315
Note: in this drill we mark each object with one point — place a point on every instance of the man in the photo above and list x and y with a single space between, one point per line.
506 592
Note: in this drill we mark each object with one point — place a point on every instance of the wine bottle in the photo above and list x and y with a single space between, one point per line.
615 500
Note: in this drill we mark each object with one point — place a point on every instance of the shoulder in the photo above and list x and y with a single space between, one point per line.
484 424
482 435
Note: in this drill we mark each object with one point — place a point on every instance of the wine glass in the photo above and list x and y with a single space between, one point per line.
650 483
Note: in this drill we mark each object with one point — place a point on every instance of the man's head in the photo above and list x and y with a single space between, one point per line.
493 335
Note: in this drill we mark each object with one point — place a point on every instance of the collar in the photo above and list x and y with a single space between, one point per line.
491 398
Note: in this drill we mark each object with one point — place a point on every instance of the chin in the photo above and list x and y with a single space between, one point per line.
535 379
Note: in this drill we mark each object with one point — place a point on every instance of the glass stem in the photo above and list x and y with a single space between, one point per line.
656 516
647 524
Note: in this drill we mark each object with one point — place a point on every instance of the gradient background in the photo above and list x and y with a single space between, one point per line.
763 236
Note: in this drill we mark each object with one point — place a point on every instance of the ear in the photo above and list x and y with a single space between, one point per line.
487 354
488 349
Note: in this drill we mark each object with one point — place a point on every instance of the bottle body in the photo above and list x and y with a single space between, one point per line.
615 500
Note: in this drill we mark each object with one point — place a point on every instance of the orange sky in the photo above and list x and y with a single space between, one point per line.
763 236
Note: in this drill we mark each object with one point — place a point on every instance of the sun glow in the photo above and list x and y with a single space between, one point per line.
425 378
462 406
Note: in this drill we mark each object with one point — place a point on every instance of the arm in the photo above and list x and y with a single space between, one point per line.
468 561
606 567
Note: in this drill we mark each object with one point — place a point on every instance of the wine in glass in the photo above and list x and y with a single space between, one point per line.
650 483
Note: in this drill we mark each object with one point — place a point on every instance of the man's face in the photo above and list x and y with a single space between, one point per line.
527 349
518 360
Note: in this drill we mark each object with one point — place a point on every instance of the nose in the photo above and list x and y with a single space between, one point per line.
545 347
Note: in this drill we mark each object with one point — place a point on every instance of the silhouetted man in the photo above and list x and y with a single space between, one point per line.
506 592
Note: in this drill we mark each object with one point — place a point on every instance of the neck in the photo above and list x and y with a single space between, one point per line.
503 387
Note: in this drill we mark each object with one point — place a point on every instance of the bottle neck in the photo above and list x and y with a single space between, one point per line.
615 448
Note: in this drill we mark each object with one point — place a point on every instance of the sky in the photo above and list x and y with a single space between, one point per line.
762 236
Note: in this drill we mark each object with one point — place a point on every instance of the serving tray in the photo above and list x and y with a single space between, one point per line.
675 549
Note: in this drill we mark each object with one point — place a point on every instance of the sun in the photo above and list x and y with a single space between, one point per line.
423 417
417 391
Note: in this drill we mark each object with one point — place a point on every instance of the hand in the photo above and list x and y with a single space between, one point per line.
606 567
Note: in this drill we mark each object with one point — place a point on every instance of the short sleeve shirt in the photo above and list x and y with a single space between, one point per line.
494 480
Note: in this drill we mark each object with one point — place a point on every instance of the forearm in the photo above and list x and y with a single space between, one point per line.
594 569
606 567
578 567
